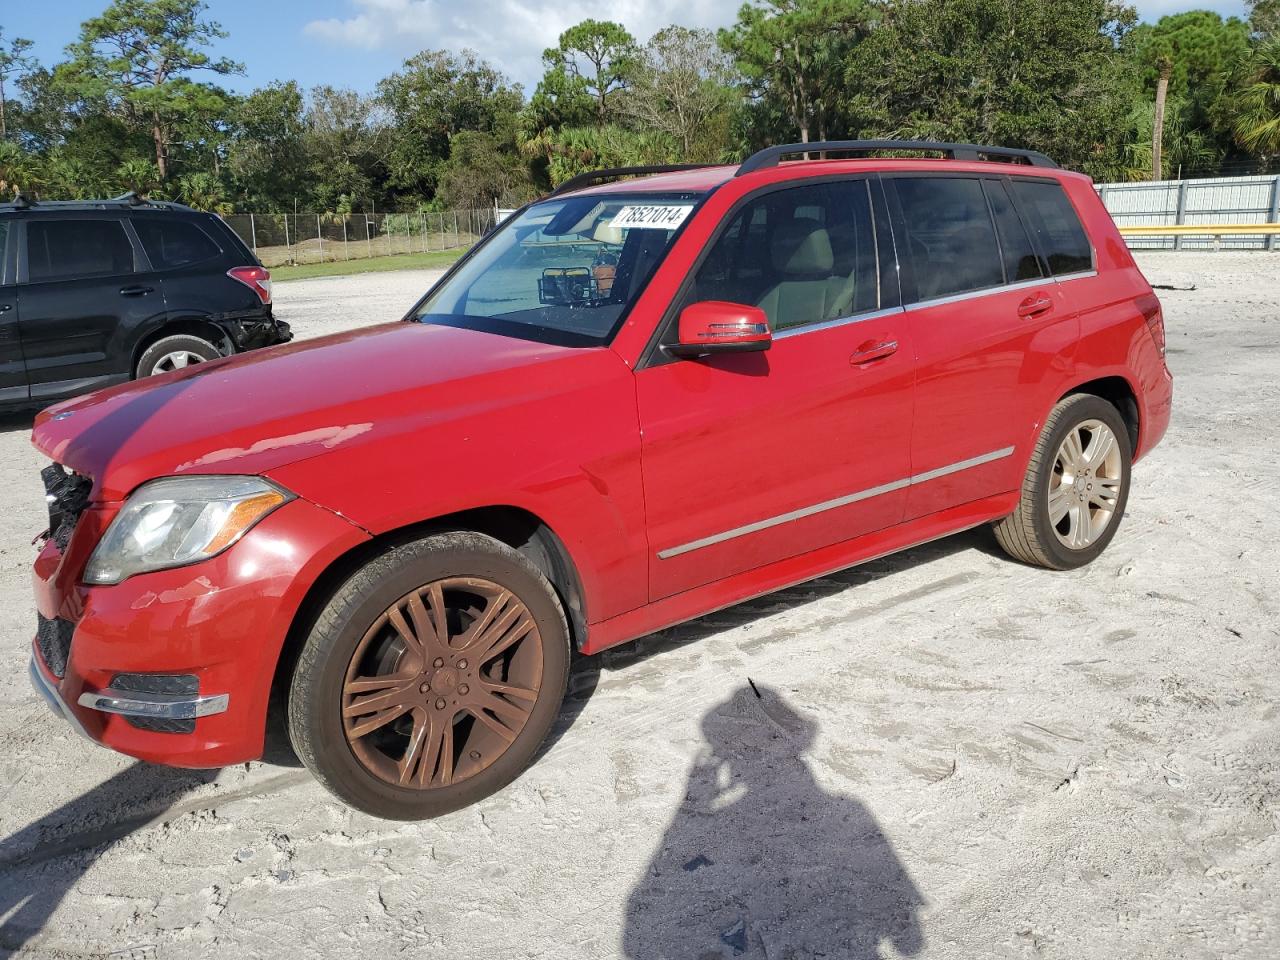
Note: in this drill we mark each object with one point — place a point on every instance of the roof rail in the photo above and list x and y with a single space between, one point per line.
21 201
772 156
132 198
594 177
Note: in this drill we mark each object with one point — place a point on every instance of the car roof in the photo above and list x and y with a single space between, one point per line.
127 202
705 179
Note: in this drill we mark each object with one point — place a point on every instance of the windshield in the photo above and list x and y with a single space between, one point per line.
564 271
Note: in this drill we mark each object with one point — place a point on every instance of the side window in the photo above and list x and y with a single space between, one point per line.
950 237
174 243
1020 260
1056 225
4 252
70 249
803 255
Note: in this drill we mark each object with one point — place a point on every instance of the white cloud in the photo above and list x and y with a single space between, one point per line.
509 33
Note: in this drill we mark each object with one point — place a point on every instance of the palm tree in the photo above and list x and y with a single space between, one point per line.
1257 122
19 170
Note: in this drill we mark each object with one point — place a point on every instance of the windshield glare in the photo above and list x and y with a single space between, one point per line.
564 271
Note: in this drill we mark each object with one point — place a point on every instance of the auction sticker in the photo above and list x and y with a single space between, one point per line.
654 217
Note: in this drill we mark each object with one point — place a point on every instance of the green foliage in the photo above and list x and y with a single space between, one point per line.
136 102
1037 75
682 90
135 62
1257 119
791 54
436 96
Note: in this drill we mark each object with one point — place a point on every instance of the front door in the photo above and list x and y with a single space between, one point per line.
86 287
753 458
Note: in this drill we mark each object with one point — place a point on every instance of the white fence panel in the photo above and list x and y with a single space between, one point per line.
1213 201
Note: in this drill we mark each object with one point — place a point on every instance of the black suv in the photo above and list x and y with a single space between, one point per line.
96 292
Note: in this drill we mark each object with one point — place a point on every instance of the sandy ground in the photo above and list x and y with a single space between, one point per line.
952 756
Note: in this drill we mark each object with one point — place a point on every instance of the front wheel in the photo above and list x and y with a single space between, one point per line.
1075 489
431 677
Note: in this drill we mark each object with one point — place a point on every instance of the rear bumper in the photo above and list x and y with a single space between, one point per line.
219 626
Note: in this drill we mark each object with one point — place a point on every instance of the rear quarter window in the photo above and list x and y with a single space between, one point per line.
1053 219
174 243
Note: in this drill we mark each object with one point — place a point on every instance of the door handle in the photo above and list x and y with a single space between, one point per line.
138 291
1034 306
873 350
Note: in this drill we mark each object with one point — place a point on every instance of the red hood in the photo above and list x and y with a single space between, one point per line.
259 411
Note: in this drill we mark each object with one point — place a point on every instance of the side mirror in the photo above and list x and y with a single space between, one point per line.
717 326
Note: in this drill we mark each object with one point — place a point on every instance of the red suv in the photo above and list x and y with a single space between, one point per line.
638 401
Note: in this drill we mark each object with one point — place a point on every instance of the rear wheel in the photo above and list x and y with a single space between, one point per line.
431 677
1075 489
175 352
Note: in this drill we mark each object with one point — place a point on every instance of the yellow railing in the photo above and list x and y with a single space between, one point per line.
1202 230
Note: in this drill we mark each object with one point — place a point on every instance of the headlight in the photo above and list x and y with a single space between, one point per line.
180 520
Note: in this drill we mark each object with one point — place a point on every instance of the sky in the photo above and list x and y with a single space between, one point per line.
355 43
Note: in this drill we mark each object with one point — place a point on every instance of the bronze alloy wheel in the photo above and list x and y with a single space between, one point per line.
442 683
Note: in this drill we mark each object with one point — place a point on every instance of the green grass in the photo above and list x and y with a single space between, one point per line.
338 268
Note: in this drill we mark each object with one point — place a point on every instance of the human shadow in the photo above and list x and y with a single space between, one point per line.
761 861
41 862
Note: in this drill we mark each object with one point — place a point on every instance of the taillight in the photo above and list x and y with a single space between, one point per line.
258 279
1151 312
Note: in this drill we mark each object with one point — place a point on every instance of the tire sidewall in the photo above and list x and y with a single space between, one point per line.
177 341
1076 411
365 596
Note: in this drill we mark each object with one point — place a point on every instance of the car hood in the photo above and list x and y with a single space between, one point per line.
254 412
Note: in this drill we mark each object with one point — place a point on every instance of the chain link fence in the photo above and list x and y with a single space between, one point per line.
290 238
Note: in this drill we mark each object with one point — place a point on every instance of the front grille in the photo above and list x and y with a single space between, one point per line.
67 495
167 684
53 637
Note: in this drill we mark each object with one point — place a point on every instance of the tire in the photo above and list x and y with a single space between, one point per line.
362 663
173 353
1093 492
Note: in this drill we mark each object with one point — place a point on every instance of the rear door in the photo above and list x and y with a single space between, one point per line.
753 458
989 323
13 373
84 287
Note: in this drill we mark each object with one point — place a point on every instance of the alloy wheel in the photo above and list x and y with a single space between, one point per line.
176 361
442 683
1085 486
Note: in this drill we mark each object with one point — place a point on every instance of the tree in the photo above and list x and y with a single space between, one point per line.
1044 76
1191 56
267 163
1257 121
347 144
1264 17
682 89
481 171
19 170
136 60
794 51
434 97
595 61
14 63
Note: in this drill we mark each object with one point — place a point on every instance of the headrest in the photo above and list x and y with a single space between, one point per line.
802 247
606 232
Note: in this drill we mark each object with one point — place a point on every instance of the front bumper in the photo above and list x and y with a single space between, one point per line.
220 624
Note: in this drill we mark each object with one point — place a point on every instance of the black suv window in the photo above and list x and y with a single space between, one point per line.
1055 223
70 249
1020 260
174 243
950 237
803 255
